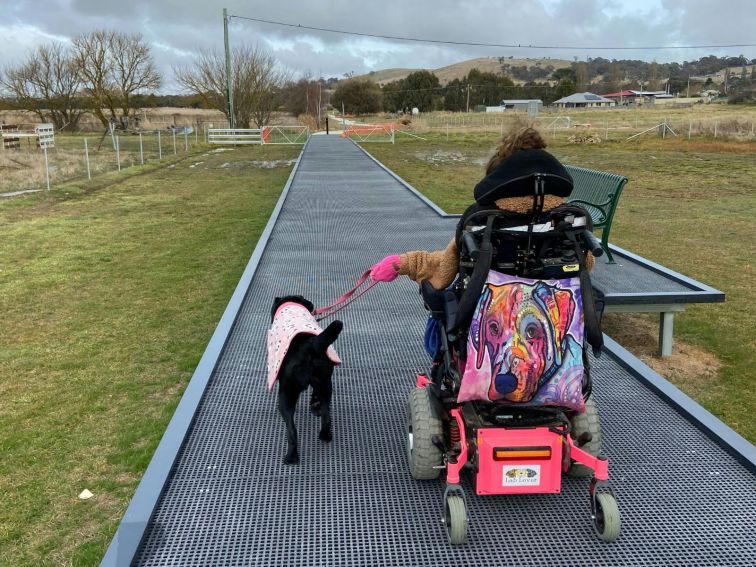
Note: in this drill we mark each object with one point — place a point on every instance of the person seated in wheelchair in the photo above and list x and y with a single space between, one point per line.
507 294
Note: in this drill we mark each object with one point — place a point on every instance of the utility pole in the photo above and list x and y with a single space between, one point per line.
688 95
468 97
229 90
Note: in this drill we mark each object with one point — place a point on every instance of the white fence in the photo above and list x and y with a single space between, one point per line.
234 136
285 134
266 135
370 132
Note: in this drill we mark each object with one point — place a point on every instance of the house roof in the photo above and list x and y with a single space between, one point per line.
619 94
583 97
521 101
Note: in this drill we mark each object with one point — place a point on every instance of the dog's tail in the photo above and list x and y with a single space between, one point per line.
328 336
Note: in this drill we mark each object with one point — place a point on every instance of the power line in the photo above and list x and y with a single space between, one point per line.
479 44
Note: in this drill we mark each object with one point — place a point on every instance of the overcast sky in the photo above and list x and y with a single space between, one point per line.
177 28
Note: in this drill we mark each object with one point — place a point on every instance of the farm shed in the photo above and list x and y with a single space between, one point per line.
520 104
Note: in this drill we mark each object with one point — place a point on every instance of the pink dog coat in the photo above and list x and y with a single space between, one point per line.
290 320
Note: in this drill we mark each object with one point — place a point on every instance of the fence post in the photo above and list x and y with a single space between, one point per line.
118 151
186 140
715 129
47 169
160 147
86 154
447 130
174 141
690 127
606 129
196 136
141 150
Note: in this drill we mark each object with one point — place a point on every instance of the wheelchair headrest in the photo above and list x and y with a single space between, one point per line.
515 177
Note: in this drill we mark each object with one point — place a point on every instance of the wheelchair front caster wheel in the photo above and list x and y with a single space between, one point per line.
606 516
455 519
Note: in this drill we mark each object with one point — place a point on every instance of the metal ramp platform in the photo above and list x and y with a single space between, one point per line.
217 493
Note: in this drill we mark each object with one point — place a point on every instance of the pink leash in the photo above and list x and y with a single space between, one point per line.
346 299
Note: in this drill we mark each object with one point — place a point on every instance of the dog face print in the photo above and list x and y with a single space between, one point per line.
519 336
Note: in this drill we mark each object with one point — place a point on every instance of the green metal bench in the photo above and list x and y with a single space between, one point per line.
598 192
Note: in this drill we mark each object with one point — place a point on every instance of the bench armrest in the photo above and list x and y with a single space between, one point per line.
597 205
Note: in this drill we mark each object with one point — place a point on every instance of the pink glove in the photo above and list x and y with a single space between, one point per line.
386 270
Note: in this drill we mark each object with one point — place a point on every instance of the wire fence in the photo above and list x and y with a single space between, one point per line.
614 125
29 168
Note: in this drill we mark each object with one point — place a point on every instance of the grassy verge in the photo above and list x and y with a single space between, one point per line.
688 206
109 292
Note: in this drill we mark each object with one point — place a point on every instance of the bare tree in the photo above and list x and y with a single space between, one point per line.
47 84
256 83
114 66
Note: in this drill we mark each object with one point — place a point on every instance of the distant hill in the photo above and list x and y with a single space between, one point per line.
459 70
634 72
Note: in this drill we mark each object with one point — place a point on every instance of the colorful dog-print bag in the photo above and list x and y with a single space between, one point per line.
526 343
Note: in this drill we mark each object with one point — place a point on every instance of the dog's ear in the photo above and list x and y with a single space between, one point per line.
479 334
559 306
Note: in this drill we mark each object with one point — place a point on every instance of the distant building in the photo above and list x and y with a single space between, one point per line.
584 100
621 97
520 104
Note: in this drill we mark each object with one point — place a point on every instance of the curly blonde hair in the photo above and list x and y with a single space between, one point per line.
522 138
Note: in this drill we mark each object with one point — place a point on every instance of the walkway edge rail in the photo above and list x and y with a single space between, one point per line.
128 537
722 434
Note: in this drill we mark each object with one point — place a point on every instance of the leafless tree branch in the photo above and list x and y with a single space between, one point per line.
257 80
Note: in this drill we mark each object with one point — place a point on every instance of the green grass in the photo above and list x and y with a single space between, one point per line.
689 206
110 291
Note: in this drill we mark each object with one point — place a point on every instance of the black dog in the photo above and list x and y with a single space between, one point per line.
306 364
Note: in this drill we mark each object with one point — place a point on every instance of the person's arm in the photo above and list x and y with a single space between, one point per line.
439 267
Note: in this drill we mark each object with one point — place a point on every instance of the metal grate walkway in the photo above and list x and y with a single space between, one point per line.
230 500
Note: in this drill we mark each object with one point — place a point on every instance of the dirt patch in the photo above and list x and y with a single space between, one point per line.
690 367
440 157
258 164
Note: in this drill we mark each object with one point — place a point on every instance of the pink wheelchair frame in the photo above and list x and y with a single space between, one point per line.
520 460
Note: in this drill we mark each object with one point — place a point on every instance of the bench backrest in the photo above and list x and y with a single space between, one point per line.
597 191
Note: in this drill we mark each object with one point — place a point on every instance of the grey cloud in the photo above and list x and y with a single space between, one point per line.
177 28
